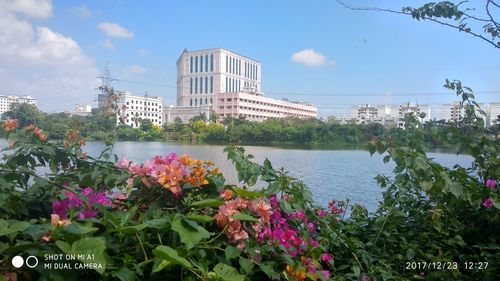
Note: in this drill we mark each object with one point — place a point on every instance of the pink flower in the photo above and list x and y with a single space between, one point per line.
73 200
86 191
312 269
60 208
490 183
321 213
87 214
326 258
488 203
123 163
325 273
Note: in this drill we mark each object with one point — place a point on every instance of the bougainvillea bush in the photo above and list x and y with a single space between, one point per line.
174 217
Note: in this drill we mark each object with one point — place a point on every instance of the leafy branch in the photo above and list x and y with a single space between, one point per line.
451 15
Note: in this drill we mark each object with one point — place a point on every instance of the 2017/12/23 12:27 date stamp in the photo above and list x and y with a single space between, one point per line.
423 265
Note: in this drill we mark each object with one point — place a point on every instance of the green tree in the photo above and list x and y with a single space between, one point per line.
25 113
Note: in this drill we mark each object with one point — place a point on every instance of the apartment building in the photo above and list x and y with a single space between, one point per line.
7 101
132 109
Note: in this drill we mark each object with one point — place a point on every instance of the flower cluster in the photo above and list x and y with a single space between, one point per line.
86 209
309 266
490 184
236 233
10 125
170 171
73 139
37 132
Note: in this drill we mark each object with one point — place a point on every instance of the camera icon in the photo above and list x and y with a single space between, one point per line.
18 261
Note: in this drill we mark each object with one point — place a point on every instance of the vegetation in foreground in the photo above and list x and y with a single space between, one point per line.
174 217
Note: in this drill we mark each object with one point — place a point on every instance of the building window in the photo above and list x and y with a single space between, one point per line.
191 86
201 101
212 62
206 101
195 85
195 102
191 65
196 65
201 85
206 63
211 101
239 67
201 63
226 63
206 85
230 65
211 84
256 71
226 85
191 102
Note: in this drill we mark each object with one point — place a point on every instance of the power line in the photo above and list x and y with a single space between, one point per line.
315 93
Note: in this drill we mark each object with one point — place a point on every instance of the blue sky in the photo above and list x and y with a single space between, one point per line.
359 57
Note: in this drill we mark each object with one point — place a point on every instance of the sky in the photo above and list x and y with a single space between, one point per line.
314 51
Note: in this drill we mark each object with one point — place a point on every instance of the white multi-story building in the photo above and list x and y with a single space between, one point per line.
229 84
453 112
81 110
365 114
493 112
416 109
7 101
134 108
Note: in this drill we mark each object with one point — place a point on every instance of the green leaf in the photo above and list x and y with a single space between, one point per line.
160 265
132 229
158 223
244 217
268 269
171 255
64 246
248 194
19 226
79 229
90 251
232 252
190 232
410 254
246 264
228 273
124 274
200 218
207 203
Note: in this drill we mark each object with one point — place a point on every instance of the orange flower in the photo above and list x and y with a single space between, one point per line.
226 194
55 220
215 171
10 125
42 137
186 161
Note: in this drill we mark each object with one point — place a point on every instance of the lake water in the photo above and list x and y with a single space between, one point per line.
330 174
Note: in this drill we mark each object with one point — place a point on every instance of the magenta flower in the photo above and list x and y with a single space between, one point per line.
60 208
326 258
87 214
325 273
321 213
488 203
490 183
86 191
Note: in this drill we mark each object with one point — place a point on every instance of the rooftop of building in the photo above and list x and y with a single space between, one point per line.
216 49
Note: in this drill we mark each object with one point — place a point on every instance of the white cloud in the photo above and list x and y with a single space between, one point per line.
134 69
309 57
107 44
31 8
82 11
43 63
115 30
